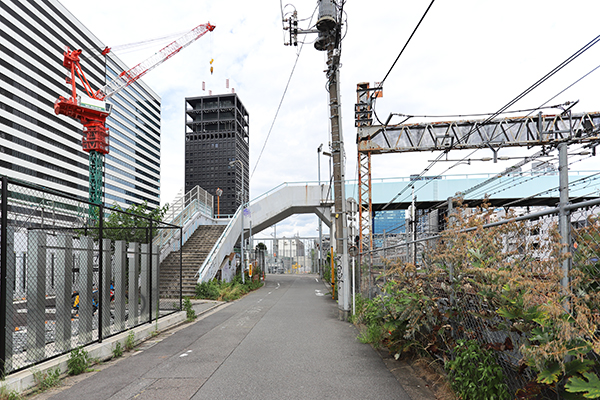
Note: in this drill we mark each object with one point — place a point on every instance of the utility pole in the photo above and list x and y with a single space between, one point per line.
319 150
328 28
339 180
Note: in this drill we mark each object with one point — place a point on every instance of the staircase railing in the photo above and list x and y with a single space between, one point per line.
188 212
223 246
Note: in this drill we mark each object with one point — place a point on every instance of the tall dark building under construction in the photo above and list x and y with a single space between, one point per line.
216 135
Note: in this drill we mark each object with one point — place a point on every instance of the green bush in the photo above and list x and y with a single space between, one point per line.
208 290
227 291
474 373
78 362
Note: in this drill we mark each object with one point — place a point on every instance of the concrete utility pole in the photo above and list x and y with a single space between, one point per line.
328 28
319 150
231 163
339 179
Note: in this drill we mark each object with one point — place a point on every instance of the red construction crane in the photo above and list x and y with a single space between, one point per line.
92 110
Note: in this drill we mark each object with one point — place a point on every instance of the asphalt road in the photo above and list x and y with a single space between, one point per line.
283 341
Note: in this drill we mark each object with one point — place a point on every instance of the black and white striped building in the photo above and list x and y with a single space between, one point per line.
40 147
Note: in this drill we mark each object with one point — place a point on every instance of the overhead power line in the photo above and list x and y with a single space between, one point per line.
406 44
287 85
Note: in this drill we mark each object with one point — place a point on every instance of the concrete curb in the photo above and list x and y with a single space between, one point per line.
23 381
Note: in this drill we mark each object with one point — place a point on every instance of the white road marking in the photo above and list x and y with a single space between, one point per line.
183 355
316 280
318 293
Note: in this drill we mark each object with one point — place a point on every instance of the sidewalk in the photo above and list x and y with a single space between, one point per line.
23 381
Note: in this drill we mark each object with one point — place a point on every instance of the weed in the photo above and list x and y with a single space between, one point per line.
78 362
7 394
189 311
118 350
130 341
46 380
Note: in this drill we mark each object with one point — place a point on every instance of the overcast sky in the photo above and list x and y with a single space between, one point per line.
467 57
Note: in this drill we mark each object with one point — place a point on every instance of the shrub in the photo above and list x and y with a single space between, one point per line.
208 290
475 374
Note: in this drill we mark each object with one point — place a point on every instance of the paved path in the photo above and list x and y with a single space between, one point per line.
282 341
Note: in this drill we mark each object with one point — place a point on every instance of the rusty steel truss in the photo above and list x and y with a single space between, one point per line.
535 130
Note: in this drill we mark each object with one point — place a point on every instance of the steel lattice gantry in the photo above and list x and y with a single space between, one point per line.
535 130
506 132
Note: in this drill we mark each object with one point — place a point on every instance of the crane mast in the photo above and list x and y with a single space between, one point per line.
93 109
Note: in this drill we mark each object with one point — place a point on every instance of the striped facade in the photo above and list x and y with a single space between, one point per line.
40 147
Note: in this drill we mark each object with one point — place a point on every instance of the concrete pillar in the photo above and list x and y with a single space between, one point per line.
86 281
36 296
106 280
11 264
120 284
145 283
155 271
134 274
64 285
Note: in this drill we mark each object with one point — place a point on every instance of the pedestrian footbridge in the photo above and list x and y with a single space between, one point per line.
313 198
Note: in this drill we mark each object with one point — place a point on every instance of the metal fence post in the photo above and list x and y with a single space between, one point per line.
36 296
134 263
64 304
106 282
145 314
86 280
120 283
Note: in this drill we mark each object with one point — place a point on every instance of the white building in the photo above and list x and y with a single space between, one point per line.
40 147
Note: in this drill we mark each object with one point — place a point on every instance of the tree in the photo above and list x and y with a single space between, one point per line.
133 224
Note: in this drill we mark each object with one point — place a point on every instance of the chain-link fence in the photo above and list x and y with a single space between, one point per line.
514 284
73 273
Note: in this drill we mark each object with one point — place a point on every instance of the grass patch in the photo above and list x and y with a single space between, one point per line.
7 394
44 380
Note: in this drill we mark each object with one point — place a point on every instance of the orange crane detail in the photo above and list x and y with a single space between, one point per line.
93 109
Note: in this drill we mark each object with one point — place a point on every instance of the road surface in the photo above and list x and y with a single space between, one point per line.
283 341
